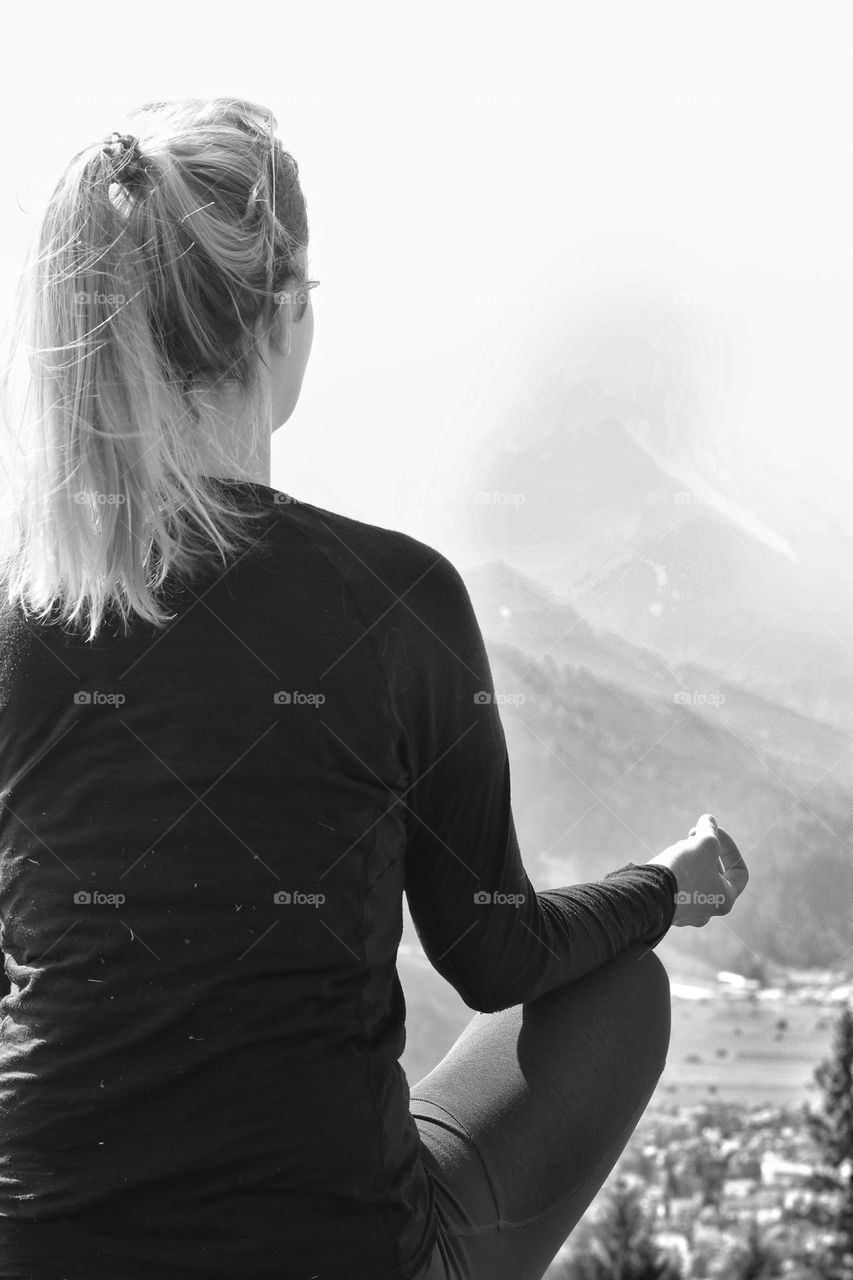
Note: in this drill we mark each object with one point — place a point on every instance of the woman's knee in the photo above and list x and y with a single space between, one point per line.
642 983
620 1011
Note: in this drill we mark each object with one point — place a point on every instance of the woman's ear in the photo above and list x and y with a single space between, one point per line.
294 300
280 337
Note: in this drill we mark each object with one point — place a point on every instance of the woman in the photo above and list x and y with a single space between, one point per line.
236 729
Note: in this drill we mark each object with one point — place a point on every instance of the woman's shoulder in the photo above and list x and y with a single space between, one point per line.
404 563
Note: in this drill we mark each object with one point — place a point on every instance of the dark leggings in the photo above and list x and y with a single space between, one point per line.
526 1115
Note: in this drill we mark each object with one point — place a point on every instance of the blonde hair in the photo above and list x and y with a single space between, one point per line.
142 289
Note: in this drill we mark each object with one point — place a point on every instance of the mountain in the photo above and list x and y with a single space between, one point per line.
518 612
693 586
571 495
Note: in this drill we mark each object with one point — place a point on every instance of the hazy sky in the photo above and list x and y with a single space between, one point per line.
473 169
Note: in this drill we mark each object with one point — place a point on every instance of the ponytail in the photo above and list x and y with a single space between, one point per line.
146 285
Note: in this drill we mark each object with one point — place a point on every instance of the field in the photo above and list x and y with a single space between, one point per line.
732 1050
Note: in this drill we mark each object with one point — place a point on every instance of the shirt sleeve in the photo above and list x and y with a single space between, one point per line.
480 922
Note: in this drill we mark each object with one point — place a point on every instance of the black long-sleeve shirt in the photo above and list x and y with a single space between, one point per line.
205 838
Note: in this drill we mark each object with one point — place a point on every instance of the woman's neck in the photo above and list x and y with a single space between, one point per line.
230 446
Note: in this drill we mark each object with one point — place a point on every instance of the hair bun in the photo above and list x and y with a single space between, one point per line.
123 150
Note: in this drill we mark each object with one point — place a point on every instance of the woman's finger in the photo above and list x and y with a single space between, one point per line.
735 871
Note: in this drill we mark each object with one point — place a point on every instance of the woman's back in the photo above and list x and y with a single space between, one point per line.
201 922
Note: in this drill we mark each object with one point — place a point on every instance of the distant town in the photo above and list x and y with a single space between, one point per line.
726 1187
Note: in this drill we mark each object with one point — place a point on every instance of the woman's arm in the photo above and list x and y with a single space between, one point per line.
481 924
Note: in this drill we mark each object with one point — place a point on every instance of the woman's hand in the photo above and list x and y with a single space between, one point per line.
710 872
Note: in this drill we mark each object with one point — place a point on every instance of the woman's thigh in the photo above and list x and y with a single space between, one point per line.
526 1115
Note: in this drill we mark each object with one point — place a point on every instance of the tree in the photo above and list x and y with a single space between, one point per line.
671 1180
712 1169
756 1260
623 1247
832 1130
